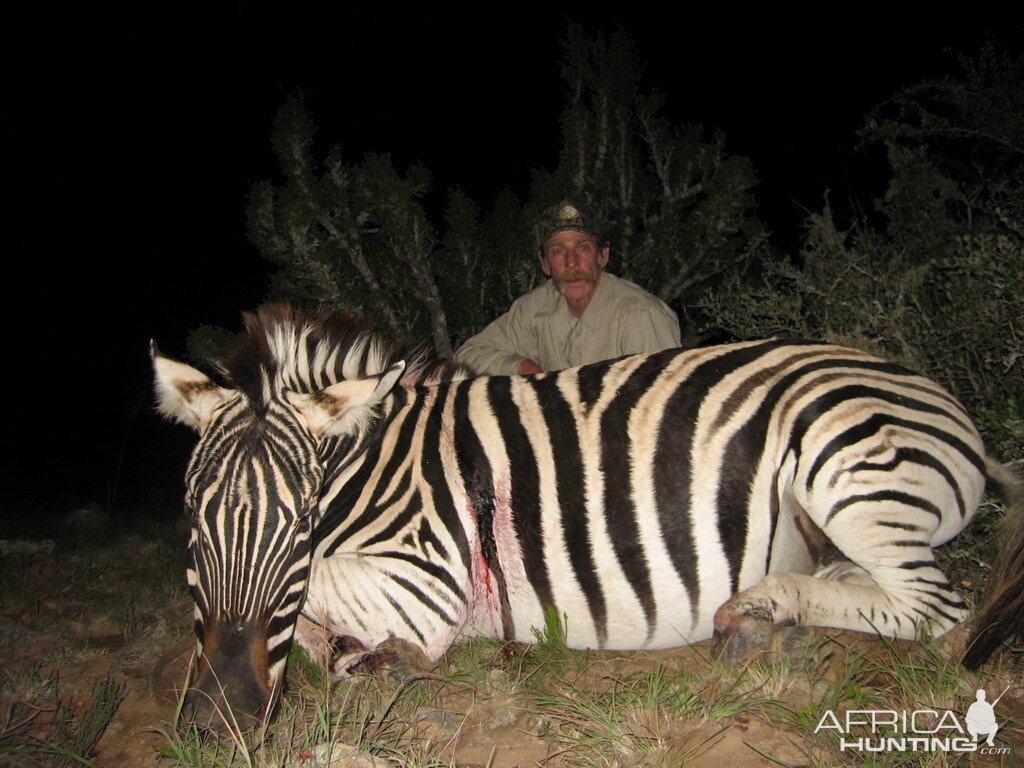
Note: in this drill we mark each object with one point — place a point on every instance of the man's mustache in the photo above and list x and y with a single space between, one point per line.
573 274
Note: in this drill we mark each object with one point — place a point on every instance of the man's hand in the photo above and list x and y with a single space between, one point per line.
528 366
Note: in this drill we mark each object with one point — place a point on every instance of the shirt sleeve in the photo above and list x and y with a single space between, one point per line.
501 346
651 329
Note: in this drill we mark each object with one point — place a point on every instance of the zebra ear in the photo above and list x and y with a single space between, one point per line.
184 394
346 407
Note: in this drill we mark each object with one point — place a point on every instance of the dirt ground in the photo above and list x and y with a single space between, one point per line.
121 613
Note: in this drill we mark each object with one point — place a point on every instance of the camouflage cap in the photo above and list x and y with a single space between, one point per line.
566 215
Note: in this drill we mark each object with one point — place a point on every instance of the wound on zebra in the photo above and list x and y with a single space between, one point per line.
352 494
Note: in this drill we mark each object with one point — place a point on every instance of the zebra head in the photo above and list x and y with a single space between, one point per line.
252 490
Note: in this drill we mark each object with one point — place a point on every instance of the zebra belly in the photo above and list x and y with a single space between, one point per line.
627 626
612 614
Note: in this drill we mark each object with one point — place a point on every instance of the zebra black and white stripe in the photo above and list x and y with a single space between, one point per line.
649 500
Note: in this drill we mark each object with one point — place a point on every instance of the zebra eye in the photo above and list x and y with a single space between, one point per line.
305 513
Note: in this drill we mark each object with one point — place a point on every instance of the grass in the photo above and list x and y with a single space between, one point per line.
556 707
41 724
77 730
67 620
903 680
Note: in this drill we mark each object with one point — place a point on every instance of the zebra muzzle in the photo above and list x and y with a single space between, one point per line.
231 688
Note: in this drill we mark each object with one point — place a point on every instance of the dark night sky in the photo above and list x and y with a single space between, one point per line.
131 143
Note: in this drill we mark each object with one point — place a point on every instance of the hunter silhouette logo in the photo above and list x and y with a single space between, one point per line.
923 730
981 717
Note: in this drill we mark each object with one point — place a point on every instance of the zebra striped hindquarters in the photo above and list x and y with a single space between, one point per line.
363 494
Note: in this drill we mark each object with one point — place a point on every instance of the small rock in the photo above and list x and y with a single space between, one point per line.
953 643
336 755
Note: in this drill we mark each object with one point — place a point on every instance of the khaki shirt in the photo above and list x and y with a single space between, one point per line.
621 319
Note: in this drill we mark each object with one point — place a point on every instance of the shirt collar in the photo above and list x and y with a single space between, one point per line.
599 303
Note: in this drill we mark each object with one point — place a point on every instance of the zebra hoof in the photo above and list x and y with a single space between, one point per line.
745 626
395 659
740 639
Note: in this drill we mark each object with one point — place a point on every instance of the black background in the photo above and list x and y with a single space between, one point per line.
131 142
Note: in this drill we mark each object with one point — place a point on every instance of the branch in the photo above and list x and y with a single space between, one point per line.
354 250
418 261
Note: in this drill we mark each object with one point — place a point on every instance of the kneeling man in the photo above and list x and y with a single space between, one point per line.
581 315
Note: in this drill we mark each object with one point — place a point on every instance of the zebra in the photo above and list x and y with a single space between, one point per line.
346 491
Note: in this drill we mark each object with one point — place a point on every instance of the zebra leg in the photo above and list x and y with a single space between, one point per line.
314 640
344 656
380 612
746 624
884 514
894 599
334 653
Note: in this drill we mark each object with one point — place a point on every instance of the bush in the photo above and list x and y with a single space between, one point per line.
938 283
957 317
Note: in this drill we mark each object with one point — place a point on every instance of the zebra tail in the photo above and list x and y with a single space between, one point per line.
1001 613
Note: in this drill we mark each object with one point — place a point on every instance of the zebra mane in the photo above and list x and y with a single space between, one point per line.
285 347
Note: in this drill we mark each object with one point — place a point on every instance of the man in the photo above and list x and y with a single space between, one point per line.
581 315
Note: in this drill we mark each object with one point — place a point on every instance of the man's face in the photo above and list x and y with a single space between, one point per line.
574 262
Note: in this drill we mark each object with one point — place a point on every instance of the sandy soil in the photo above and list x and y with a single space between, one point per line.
94 634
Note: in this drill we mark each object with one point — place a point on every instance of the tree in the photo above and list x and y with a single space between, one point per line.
348 233
680 210
935 279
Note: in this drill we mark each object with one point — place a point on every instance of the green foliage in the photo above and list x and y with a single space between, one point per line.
76 733
553 636
348 233
939 284
807 717
64 740
484 261
680 210
356 232
956 146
